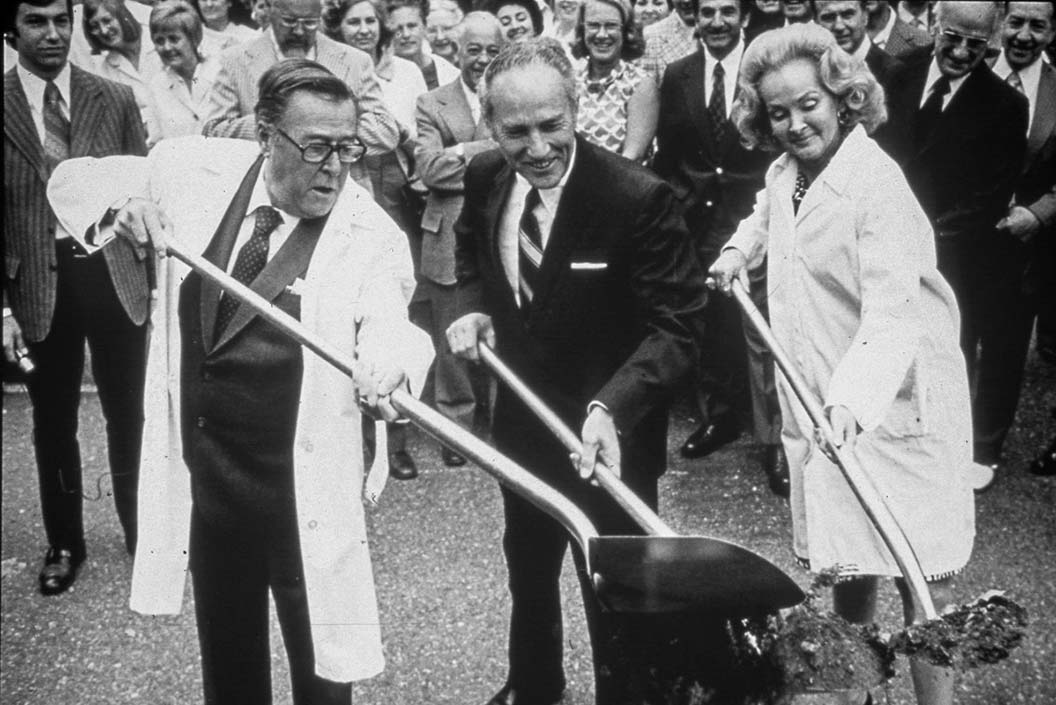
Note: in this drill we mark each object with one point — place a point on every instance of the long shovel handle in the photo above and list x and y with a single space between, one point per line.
628 500
495 464
872 501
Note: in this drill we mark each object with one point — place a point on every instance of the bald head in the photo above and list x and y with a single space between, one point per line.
963 31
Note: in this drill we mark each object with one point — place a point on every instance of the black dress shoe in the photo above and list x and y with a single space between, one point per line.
511 696
709 438
1045 464
451 458
401 466
775 465
60 570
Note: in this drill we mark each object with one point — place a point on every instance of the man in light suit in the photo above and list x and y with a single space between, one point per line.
594 296
890 33
450 133
58 298
294 33
671 38
715 180
959 134
847 20
252 449
1024 249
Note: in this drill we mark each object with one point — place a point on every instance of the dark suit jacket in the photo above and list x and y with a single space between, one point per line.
104 120
617 311
715 180
882 64
963 173
1036 188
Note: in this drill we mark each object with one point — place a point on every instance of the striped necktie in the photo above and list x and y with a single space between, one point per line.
56 128
530 240
249 263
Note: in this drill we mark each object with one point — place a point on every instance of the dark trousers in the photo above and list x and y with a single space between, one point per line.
86 308
232 574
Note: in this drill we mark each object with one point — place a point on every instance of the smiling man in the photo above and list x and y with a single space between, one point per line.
594 297
253 450
848 20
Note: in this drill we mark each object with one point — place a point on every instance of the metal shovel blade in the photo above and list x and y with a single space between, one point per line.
651 574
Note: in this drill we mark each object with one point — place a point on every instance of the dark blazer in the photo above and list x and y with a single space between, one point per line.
715 180
882 64
964 172
1036 188
104 121
616 315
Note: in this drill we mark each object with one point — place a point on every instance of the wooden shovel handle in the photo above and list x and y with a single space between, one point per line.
871 500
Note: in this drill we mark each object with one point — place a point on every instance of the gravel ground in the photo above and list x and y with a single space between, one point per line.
441 578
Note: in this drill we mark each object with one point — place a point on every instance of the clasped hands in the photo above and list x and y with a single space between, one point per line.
599 437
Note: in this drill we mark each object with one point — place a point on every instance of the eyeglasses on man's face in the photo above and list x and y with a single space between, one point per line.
309 24
954 38
319 152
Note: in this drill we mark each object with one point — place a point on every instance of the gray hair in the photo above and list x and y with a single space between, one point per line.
860 97
280 82
477 17
540 51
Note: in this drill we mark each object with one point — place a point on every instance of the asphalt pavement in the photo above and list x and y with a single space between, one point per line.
441 577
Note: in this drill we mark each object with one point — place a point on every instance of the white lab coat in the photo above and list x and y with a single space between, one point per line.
856 300
360 272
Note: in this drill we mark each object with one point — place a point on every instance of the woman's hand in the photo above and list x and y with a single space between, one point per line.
731 264
845 431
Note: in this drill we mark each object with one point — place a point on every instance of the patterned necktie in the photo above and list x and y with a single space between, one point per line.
799 191
932 109
56 128
1015 81
530 240
717 104
250 261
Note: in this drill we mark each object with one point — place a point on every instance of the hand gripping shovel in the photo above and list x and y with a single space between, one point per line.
631 574
692 573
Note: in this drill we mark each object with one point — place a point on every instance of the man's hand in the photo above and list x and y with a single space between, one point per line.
600 443
465 334
143 223
13 341
375 382
730 265
1021 223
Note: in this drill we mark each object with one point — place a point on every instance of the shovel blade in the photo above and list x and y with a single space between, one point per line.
658 574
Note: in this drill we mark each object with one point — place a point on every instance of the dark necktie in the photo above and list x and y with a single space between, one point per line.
249 262
56 128
717 104
932 109
530 240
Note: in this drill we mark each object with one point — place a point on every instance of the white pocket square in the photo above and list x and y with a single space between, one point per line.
296 288
589 265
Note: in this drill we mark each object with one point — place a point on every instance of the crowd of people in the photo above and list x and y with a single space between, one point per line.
578 185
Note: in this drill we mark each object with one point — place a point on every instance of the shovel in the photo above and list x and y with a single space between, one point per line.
724 573
631 574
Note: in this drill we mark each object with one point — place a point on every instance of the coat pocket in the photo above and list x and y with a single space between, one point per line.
909 412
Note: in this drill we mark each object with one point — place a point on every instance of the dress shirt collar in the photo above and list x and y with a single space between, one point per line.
881 37
919 21
33 86
934 74
1030 77
550 197
472 98
310 55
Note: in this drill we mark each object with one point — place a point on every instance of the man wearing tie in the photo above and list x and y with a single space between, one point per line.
594 297
715 180
959 133
450 134
847 20
58 297
253 450
1025 241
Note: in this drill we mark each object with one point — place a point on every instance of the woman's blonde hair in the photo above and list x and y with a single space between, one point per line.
860 97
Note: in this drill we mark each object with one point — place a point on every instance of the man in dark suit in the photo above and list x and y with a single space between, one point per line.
847 20
451 132
890 33
594 297
959 133
715 180
1024 250
58 298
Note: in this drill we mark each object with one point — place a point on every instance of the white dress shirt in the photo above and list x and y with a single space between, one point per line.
1030 78
863 49
278 236
473 98
731 64
33 86
934 74
510 222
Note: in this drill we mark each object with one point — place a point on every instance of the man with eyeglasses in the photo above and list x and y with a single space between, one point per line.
294 32
252 451
959 133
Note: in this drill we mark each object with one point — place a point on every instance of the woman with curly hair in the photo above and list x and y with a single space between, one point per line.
856 300
618 108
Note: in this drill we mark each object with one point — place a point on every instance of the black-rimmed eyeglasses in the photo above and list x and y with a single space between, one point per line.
318 152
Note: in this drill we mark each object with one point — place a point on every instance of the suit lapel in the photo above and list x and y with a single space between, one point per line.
290 261
459 117
693 86
18 124
87 111
219 250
